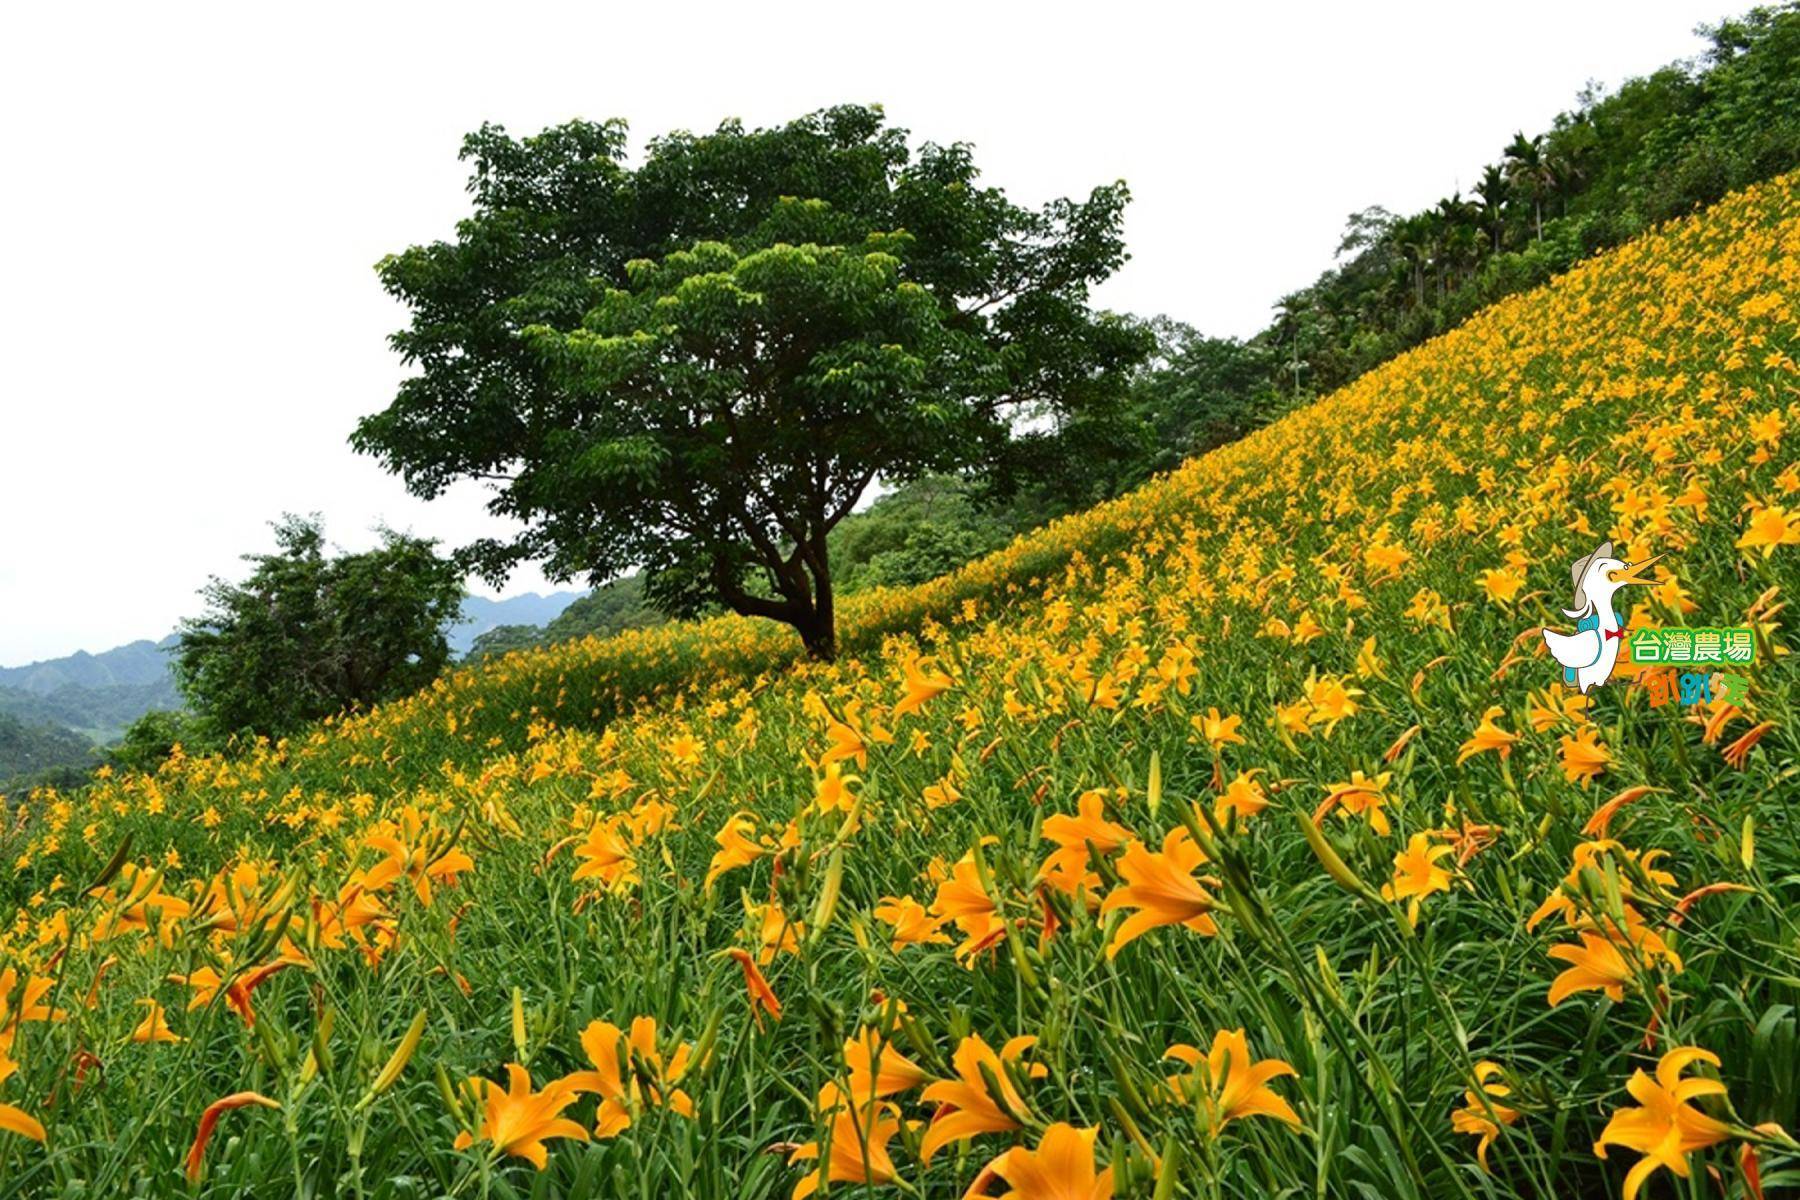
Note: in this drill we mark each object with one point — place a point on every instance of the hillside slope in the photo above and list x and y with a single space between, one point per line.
27 747
1314 647
481 615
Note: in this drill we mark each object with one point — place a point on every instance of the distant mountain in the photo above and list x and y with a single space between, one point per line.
481 614
92 695
56 710
137 663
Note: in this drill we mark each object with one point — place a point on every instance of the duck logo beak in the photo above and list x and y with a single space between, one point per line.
1635 572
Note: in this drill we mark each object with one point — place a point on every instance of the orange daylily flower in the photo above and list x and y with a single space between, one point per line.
913 925
1162 888
1176 669
1665 1127
1468 840
606 854
1330 702
776 932
1219 731
206 984
233 900
1360 796
414 848
876 1071
849 738
154 1027
684 749
738 846
962 899
1583 757
942 793
1243 796
1417 873
30 1006
360 915
628 1070
1553 705
1502 584
1488 736
762 996
17 1120
859 1154
1591 855
1061 1168
1227 1085
1077 838
1382 556
518 1121
966 1106
1474 1116
833 791
1599 964
1769 527
144 904
921 686
1292 719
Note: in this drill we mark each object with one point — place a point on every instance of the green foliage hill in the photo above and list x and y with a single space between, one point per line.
1605 171
32 754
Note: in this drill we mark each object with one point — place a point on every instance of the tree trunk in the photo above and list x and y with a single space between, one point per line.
820 633
819 638
806 601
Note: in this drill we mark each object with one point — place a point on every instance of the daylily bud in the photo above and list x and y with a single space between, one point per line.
828 895
1334 866
396 1062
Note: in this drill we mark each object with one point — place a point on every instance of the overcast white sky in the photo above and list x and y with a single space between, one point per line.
193 199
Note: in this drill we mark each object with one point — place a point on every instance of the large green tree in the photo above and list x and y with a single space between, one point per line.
698 365
308 634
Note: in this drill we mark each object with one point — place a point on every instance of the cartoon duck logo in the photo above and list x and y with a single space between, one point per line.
1589 654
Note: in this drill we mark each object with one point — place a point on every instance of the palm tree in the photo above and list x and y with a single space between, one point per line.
1527 169
1291 322
1460 247
1413 238
1566 170
1494 194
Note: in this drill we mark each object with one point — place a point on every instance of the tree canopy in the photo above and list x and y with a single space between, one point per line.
697 366
307 635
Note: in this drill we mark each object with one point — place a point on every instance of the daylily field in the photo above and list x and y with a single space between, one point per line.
1234 838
